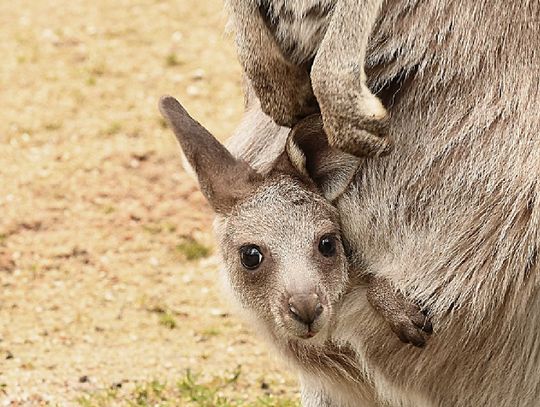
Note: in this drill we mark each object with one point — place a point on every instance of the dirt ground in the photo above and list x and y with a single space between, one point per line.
105 279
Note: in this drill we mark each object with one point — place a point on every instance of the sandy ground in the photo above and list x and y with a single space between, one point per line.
94 203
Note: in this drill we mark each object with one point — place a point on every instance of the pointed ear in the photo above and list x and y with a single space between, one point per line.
310 154
223 179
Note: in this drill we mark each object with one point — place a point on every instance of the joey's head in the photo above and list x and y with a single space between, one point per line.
278 232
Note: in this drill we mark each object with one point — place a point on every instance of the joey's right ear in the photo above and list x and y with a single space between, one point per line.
223 179
331 169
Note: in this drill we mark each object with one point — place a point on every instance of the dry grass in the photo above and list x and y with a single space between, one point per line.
98 221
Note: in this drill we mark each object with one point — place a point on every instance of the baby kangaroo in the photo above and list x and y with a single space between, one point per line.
279 234
297 53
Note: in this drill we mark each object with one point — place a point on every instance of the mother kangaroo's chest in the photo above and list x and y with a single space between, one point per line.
298 25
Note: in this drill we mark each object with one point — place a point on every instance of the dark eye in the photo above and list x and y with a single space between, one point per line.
327 245
251 256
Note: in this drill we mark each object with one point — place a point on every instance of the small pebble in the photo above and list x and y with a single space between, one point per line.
198 74
193 90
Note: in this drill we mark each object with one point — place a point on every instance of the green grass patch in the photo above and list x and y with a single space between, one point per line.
99 399
53 126
167 320
113 128
190 249
163 123
108 209
189 391
157 228
173 60
210 332
91 81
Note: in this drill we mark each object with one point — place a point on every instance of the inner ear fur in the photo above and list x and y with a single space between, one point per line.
223 179
308 150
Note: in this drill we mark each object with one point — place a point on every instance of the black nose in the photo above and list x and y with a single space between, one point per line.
305 308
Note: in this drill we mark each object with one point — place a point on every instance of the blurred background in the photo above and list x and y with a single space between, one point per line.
109 292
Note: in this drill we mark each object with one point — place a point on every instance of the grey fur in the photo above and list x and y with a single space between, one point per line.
452 216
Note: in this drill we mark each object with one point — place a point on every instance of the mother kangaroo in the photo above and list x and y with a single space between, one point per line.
451 217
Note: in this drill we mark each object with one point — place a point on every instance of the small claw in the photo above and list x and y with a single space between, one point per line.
401 335
422 322
409 334
418 340
427 327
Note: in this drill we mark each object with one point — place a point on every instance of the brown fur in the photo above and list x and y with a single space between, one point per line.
452 216
215 167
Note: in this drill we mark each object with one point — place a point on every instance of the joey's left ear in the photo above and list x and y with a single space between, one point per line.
308 150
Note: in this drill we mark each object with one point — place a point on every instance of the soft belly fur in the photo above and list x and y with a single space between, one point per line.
298 25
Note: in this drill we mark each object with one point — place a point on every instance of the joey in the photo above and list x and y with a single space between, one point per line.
280 235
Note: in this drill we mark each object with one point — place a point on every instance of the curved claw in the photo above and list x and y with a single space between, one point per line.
414 330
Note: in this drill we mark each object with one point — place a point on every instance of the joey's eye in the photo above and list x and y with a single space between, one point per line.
251 256
327 245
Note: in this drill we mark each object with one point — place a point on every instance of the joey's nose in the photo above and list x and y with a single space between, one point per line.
305 308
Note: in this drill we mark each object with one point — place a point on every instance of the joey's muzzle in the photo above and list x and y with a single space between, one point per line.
305 308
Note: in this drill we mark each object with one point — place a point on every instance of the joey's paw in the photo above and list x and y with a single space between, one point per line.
405 318
412 325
